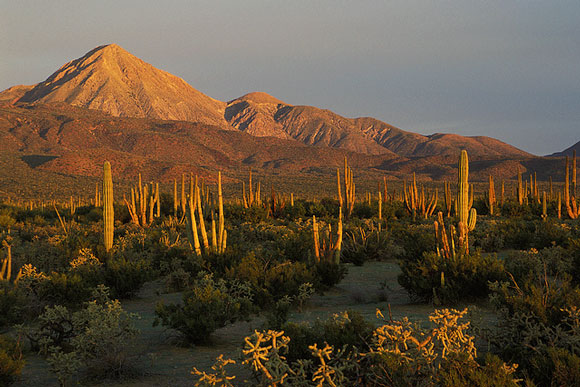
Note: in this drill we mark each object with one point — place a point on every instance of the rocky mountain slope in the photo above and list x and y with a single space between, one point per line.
112 80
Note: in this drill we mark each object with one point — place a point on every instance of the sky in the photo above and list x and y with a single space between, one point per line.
506 69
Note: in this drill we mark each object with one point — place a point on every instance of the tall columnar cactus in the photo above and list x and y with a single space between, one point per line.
415 200
191 225
467 217
491 195
144 198
108 211
349 190
175 199
326 247
520 191
445 244
448 198
572 207
250 198
544 206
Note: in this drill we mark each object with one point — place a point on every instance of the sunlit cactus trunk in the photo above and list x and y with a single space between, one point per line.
108 210
467 217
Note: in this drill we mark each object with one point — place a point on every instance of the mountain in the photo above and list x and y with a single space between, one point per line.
69 140
112 80
63 140
263 115
14 93
260 114
568 151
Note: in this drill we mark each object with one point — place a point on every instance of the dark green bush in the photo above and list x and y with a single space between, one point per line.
413 240
12 303
328 274
209 305
441 280
346 329
11 361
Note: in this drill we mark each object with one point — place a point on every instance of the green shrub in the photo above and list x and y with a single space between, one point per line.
209 305
363 245
348 329
98 336
126 277
11 361
413 240
328 274
435 278
538 328
12 303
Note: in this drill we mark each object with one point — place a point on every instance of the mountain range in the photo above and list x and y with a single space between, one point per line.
110 104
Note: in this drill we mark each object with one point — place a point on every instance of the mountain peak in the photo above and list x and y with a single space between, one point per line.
261 97
110 79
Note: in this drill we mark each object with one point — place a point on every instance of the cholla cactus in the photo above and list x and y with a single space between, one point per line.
263 351
218 378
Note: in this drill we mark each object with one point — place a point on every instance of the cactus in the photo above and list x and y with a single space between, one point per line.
349 190
143 201
201 219
520 192
572 207
252 197
467 217
415 200
191 224
380 205
445 244
108 211
326 248
491 195
448 199
544 206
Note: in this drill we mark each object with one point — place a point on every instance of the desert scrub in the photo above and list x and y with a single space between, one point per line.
98 337
450 280
209 304
397 353
538 327
367 244
11 360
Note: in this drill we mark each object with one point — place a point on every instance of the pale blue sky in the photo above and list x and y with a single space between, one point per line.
507 69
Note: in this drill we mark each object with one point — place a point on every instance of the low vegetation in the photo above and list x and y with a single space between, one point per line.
68 268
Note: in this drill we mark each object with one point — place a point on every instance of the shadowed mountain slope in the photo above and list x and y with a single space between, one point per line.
568 151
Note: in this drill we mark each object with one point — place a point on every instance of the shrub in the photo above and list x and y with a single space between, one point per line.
360 246
435 278
413 240
328 274
209 305
11 362
12 303
538 328
397 353
98 336
348 329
